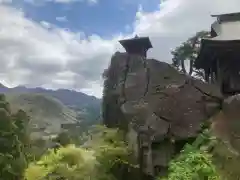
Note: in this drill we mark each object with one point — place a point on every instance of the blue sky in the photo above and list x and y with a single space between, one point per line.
104 18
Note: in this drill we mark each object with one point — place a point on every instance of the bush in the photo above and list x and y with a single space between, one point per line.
63 139
112 152
96 160
194 162
66 163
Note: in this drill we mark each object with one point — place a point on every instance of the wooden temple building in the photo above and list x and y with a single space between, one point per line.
137 45
219 55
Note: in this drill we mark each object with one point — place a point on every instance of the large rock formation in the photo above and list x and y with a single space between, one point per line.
160 108
226 127
226 124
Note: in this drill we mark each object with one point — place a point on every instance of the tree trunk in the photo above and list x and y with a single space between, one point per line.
183 67
191 67
206 75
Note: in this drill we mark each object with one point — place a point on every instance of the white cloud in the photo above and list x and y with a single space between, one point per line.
45 55
37 2
42 54
92 2
64 1
5 1
62 19
176 20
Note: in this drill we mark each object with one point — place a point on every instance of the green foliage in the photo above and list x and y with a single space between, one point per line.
110 147
94 160
188 50
63 139
42 109
66 163
194 162
90 117
37 149
13 142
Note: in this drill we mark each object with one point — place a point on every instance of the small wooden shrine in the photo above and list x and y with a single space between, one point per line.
219 55
137 45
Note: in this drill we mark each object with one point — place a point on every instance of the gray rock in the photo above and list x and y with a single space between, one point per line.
229 121
160 105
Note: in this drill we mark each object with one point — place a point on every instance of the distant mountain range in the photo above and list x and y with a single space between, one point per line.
49 109
67 97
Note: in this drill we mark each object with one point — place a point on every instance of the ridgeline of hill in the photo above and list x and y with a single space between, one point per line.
48 109
67 97
46 113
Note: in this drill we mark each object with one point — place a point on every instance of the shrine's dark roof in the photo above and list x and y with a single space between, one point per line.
210 47
143 41
226 14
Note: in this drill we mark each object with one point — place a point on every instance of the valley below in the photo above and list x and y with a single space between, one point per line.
52 111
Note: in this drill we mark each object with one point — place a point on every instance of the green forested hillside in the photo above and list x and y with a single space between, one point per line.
46 113
66 105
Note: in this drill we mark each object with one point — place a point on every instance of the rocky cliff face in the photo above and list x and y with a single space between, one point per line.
160 108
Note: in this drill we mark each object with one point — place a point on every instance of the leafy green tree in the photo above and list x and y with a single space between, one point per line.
21 120
188 50
12 156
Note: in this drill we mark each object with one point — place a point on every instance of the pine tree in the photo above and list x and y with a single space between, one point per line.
189 50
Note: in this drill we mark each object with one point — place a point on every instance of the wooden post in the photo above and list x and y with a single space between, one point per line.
206 74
